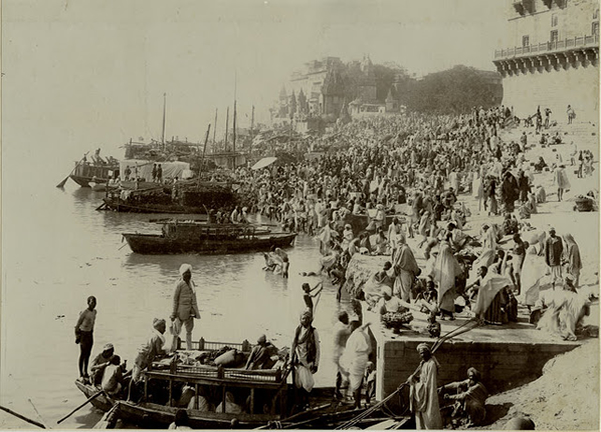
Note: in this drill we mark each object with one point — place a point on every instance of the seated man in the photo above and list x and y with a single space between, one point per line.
100 362
113 377
260 356
388 303
470 399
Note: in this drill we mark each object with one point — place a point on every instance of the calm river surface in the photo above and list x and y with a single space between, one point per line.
57 250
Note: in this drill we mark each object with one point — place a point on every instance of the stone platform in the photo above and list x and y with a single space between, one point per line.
507 356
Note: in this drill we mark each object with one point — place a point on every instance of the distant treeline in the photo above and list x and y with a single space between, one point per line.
452 91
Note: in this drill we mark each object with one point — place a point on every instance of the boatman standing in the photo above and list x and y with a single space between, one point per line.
185 306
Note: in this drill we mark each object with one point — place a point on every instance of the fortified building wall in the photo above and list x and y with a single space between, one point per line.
553 57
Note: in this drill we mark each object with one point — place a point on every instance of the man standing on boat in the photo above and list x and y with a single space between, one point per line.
185 307
84 336
305 356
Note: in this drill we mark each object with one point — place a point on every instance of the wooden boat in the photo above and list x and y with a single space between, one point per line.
85 173
265 392
192 198
205 238
270 402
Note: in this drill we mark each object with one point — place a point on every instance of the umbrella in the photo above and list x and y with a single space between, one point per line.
263 163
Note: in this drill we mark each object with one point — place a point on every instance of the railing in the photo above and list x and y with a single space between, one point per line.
551 46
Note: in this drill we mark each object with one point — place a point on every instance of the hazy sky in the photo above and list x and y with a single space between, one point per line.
83 73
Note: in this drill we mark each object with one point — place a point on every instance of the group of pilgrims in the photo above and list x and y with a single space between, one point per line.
399 178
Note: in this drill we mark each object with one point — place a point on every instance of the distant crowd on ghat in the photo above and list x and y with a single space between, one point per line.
394 178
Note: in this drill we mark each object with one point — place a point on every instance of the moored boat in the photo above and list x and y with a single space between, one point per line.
207 238
98 171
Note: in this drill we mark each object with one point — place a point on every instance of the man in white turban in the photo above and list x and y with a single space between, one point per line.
185 307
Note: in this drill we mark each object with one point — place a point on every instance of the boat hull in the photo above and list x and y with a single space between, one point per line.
102 402
158 244
153 416
120 206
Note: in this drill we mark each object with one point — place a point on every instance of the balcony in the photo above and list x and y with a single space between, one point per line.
548 47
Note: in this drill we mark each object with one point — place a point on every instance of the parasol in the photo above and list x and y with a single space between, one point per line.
263 163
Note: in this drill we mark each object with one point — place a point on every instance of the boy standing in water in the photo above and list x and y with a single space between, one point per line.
84 330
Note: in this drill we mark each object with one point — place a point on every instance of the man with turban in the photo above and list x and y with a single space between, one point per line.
260 356
148 352
470 398
305 355
423 395
185 307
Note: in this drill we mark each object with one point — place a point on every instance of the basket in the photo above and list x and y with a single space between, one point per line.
584 205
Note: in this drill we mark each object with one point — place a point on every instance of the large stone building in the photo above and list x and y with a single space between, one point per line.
553 57
320 92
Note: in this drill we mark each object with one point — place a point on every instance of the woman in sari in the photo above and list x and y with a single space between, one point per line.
572 257
533 270
446 269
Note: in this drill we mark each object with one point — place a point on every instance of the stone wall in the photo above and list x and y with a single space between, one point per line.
556 89
504 365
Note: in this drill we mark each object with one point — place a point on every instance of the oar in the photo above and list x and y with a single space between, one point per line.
22 417
38 414
62 184
90 399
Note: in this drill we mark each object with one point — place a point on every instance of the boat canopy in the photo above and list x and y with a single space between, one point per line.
170 169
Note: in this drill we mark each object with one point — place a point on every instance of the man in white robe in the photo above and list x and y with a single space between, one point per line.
423 391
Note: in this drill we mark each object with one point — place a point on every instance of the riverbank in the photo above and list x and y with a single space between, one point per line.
565 397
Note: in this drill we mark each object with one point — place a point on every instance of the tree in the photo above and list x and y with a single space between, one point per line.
457 90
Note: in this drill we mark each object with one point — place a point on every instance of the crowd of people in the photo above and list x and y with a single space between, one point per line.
394 179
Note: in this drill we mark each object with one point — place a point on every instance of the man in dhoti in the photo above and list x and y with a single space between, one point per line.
423 391
305 355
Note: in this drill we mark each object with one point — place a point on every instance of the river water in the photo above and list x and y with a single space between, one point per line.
57 250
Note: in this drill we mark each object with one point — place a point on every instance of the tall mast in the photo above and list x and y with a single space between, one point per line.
203 154
227 123
234 132
214 130
164 116
234 122
252 131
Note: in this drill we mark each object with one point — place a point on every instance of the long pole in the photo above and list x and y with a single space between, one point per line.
234 122
214 130
90 399
234 134
203 153
252 132
22 417
164 118
227 123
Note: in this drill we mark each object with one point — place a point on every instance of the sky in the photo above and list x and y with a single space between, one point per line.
83 73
